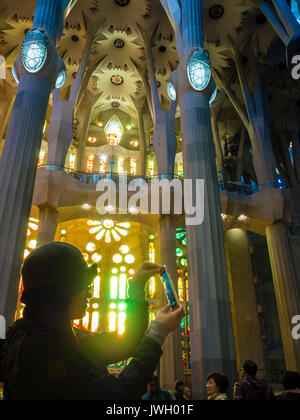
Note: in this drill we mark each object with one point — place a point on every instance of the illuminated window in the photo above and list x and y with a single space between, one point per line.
96 292
151 259
72 161
150 168
41 158
90 163
103 162
95 322
108 229
180 169
85 321
121 163
112 321
114 131
133 167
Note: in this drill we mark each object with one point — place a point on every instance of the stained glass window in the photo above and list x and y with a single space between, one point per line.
121 163
150 168
114 131
133 167
296 9
41 158
72 161
103 161
90 163
152 285
183 293
180 169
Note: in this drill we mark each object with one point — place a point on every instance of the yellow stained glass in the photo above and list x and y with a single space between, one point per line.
85 321
121 163
133 167
96 293
121 323
90 163
112 321
114 287
95 322
72 161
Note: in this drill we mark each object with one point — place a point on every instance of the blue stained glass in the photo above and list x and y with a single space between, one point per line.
34 52
61 78
296 10
199 70
171 91
213 97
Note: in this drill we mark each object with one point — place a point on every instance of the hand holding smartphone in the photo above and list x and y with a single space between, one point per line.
169 289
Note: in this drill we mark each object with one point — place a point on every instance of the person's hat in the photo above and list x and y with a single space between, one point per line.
54 273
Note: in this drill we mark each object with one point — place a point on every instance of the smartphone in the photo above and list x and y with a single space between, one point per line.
169 288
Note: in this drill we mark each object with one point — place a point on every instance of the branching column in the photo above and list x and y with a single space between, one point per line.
20 154
48 220
212 338
171 364
287 293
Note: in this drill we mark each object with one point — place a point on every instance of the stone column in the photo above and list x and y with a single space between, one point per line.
171 363
248 335
48 221
287 293
20 154
143 146
212 339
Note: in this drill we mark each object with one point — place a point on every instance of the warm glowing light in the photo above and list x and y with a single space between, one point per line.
72 161
96 293
114 131
103 161
92 140
26 253
95 322
41 158
90 247
242 217
121 163
129 259
132 272
32 244
134 143
180 169
108 230
133 167
90 163
96 257
150 168
124 249
121 323
85 321
117 259
114 270
86 206
112 321
114 287
112 306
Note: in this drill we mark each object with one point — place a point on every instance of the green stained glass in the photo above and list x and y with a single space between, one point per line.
184 242
180 235
183 262
179 252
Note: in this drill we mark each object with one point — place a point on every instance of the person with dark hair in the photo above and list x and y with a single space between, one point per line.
44 359
217 386
291 384
179 391
250 388
155 393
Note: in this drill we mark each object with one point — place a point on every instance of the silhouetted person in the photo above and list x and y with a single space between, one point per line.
250 388
45 360
179 391
291 384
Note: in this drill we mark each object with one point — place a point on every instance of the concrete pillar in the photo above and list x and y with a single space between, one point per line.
287 293
20 154
247 330
171 363
48 221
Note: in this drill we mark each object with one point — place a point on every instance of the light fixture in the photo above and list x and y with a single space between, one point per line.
171 91
100 124
213 97
61 79
199 70
34 51
86 206
14 74
242 217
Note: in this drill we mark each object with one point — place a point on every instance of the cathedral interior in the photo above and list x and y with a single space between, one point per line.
183 89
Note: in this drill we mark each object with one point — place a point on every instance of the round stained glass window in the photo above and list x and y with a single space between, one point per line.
34 51
172 91
199 70
61 78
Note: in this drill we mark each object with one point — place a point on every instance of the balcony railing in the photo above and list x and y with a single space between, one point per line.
94 177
